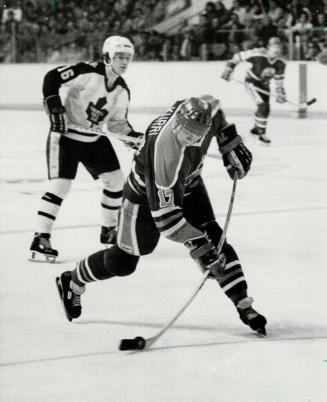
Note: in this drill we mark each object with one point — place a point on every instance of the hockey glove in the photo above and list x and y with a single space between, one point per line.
204 252
56 111
133 140
236 157
227 73
281 95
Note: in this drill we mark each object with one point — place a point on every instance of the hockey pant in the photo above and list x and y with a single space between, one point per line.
63 157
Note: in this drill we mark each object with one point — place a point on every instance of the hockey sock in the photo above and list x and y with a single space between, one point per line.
110 205
261 117
232 280
104 264
92 268
47 213
51 203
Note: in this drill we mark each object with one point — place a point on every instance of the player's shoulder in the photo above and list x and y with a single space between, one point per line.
253 54
89 67
257 51
281 61
167 164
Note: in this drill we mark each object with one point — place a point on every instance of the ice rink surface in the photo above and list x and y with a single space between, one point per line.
278 228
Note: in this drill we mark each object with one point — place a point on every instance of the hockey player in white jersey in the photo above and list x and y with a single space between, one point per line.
97 98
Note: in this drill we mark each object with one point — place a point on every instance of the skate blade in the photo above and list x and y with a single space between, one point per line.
59 287
262 331
40 257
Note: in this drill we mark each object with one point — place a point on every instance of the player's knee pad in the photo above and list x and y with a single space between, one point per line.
60 187
263 110
113 181
119 263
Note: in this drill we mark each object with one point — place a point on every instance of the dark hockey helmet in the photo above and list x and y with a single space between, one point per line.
194 115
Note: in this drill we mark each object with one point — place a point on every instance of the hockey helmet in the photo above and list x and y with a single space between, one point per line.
116 44
194 115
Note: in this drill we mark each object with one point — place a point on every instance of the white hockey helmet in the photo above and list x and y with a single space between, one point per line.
116 44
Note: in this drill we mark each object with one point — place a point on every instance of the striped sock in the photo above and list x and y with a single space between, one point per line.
47 213
110 205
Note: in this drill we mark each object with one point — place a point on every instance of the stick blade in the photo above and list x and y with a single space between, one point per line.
310 102
137 343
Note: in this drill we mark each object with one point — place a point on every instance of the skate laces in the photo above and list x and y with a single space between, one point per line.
76 292
76 289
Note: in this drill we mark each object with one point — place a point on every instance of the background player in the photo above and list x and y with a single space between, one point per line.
266 64
165 194
97 96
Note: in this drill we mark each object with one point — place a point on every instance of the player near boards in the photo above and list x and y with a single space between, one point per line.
97 96
165 195
266 63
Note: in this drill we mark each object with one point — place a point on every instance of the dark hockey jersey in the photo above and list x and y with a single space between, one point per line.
164 172
262 68
90 102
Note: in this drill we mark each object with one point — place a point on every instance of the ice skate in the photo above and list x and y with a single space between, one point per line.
263 138
250 317
70 295
261 134
108 235
41 249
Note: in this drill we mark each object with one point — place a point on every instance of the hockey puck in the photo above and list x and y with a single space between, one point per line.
137 343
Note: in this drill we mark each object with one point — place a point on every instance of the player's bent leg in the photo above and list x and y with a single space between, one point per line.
137 235
110 204
105 264
47 213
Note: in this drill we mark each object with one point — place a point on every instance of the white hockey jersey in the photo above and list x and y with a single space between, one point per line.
90 102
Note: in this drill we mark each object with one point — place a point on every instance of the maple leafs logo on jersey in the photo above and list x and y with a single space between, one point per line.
95 113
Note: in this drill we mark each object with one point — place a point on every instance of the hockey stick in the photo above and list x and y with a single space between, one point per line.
104 132
139 343
298 105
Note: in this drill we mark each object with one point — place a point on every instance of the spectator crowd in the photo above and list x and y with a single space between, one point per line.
66 31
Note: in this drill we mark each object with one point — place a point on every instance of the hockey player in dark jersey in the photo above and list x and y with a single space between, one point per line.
165 195
97 98
266 64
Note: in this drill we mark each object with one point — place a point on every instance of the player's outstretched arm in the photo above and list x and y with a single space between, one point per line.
236 157
230 66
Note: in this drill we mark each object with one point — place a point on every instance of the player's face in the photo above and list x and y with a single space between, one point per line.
274 51
186 137
120 62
